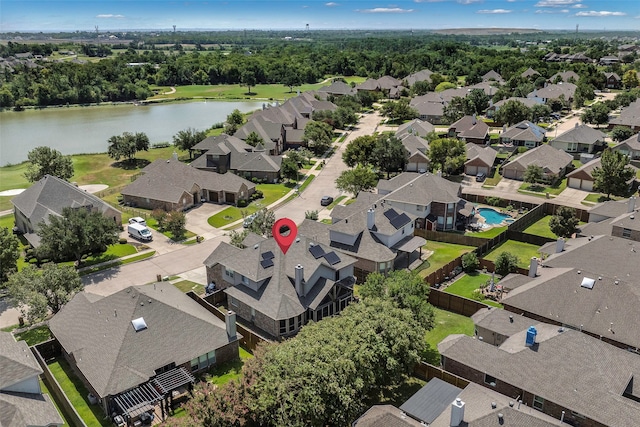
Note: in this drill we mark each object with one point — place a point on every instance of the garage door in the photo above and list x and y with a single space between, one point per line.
472 170
574 183
483 169
587 185
580 184
509 173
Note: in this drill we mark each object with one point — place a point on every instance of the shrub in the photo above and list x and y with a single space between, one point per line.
257 195
122 241
161 145
477 295
312 215
470 262
493 201
242 203
506 263
160 215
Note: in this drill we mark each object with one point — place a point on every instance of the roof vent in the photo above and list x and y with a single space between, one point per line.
256 246
616 282
139 324
511 403
493 405
510 319
579 272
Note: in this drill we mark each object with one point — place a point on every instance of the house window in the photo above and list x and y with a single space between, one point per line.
449 221
488 379
283 326
440 221
233 301
538 403
419 208
245 280
626 233
450 207
194 364
292 324
228 272
573 146
212 357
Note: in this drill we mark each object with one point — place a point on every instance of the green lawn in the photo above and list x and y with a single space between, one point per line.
77 393
446 323
34 336
228 371
45 390
443 253
113 252
187 285
489 234
541 228
492 181
524 252
543 189
467 284
335 202
117 263
599 198
272 192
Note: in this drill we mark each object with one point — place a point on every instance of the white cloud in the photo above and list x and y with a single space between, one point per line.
494 11
511 1
579 6
385 10
470 1
428 1
331 4
600 13
556 3
109 16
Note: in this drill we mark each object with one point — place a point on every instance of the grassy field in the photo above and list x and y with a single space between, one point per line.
541 228
599 198
542 189
335 202
446 323
489 234
467 284
92 415
492 181
228 371
117 263
34 336
187 285
443 253
524 252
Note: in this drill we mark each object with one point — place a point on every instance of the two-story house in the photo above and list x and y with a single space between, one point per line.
278 293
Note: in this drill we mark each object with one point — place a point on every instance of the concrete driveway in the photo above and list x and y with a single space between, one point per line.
572 197
507 185
198 216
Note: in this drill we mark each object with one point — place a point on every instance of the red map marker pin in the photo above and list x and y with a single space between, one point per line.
281 226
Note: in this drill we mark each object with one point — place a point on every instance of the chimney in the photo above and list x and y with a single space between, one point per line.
559 245
533 267
632 204
230 320
475 120
457 412
299 280
576 125
371 219
510 318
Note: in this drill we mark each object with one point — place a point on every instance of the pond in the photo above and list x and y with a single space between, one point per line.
75 130
493 217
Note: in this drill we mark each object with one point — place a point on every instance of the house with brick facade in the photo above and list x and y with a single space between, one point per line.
50 196
613 218
415 127
523 134
479 160
279 293
22 402
560 372
416 148
471 130
131 346
173 185
554 163
629 117
580 139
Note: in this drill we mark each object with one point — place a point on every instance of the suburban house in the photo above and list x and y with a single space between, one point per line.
553 162
560 372
493 76
554 91
479 160
493 108
470 129
588 284
613 218
530 73
580 139
50 196
564 76
417 148
224 153
582 177
523 134
630 147
271 133
629 117
440 404
277 292
420 76
430 112
609 60
415 127
613 81
337 88
173 185
134 348
21 400
385 84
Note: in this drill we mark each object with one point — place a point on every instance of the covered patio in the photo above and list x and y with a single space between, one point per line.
412 247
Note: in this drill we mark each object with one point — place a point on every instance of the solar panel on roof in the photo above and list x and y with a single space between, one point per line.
400 221
332 258
267 255
316 251
266 263
390 214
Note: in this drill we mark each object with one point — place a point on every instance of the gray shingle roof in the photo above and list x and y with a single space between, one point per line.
629 116
425 189
529 72
415 127
420 76
485 154
168 180
526 101
611 208
569 368
554 91
524 131
337 88
547 157
581 134
112 356
385 416
255 162
17 363
26 409
499 321
431 400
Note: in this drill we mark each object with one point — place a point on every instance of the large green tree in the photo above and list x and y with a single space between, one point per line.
326 376
564 223
447 155
389 154
48 161
76 233
235 119
621 133
630 79
127 145
248 78
289 168
318 136
253 139
613 175
360 151
37 292
533 174
262 223
512 112
506 263
9 253
187 138
360 178
399 111
598 114
175 223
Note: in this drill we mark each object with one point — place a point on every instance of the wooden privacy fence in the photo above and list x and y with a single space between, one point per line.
50 348
250 339
528 218
454 303
426 371
449 237
490 266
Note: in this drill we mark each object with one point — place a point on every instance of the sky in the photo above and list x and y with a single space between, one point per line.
85 15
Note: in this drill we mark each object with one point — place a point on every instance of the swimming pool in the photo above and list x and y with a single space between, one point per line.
493 217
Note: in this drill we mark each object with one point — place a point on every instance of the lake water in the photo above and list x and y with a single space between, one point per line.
86 129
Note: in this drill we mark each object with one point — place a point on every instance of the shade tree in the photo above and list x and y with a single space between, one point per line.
48 161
